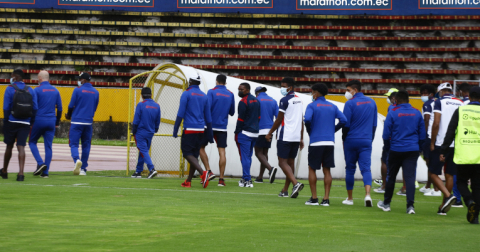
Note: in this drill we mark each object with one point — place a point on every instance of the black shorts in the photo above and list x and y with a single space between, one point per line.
319 156
16 131
436 166
262 142
220 138
426 149
287 150
191 144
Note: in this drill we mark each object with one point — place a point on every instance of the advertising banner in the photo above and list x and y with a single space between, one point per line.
315 7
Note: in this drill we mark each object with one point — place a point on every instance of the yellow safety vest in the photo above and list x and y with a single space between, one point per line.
467 137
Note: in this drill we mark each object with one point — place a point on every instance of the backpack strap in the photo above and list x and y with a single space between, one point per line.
15 87
25 88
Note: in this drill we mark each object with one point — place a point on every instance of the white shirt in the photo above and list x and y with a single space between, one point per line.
291 128
445 106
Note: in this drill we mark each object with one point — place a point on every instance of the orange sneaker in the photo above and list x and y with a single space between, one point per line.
205 177
187 184
221 182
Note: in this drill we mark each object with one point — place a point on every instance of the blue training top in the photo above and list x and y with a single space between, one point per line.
147 117
84 102
248 115
405 128
8 102
48 99
222 104
268 111
361 114
194 109
320 121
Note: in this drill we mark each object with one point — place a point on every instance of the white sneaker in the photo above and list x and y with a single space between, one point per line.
424 189
379 190
83 173
78 166
368 201
348 202
416 184
402 193
241 183
434 193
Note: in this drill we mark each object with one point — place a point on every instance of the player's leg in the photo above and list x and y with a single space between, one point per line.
6 157
312 181
409 167
140 161
463 175
384 174
204 158
222 162
364 163
9 137
249 159
456 192
351 157
74 135
35 133
263 160
22 135
328 162
243 144
48 136
86 145
21 159
394 163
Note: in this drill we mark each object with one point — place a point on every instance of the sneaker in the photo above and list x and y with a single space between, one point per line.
402 193
40 169
221 182
272 174
296 189
379 182
475 221
325 202
434 193
211 176
187 184
258 180
448 203
312 202
283 194
20 177
472 212
249 184
383 206
44 176
368 201
241 183
416 184
205 176
3 174
457 204
424 189
152 174
440 212
77 167
83 173
136 175
348 202
410 210
379 190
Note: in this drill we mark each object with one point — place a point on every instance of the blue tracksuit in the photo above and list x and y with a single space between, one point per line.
198 109
222 104
246 132
320 120
45 121
84 103
405 129
8 102
358 134
268 111
145 124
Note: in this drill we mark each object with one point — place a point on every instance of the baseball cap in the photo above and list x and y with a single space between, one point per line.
195 77
258 89
390 91
146 91
475 90
18 72
444 85
84 76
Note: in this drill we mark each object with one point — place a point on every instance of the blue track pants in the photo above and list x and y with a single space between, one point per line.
45 128
144 141
84 133
245 146
358 150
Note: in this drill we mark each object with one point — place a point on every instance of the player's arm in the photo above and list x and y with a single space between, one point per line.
275 126
374 128
97 100
427 112
242 111
387 130
208 121
35 106
136 118
342 120
58 103
301 137
232 106
157 122
7 106
348 114
181 113
71 106
308 118
437 113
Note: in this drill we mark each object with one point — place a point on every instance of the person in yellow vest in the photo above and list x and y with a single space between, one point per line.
464 127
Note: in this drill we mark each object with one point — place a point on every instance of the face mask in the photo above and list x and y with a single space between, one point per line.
284 91
424 98
11 81
388 101
348 95
79 83
241 94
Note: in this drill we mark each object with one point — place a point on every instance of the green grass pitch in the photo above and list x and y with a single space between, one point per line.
106 211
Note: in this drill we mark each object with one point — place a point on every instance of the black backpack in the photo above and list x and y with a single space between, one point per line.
22 103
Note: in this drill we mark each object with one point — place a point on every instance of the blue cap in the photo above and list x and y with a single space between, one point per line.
258 89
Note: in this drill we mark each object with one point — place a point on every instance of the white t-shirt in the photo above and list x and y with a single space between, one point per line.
292 107
445 106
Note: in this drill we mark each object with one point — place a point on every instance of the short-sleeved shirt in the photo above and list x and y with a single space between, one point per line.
428 110
292 107
445 106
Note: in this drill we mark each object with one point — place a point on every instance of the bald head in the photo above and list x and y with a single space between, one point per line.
43 76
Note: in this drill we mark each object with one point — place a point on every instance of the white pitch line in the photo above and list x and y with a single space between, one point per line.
186 190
